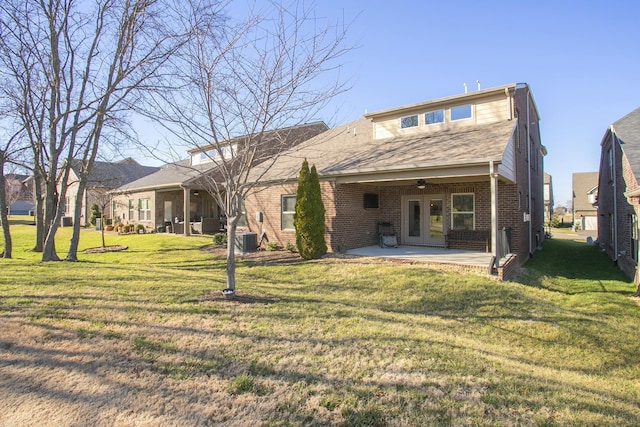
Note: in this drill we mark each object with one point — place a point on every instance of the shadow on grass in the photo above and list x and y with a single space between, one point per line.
567 259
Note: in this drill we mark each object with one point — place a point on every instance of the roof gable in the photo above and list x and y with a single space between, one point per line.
627 131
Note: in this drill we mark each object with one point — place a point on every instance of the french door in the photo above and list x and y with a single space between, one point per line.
423 220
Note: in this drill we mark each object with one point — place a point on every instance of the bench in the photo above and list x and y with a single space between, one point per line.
478 239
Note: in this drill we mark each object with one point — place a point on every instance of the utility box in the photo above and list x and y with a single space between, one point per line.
66 221
246 242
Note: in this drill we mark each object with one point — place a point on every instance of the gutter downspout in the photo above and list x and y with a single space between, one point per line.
529 173
615 195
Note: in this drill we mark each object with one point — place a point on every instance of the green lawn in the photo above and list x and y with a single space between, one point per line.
143 337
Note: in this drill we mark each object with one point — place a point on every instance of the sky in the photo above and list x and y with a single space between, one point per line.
580 59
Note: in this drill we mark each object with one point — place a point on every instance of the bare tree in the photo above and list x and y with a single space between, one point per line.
238 82
8 152
74 64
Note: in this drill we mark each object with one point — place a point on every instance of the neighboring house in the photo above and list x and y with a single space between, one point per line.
619 193
471 162
18 193
548 197
176 195
585 195
103 178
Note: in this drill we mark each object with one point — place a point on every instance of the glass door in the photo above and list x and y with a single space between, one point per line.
423 220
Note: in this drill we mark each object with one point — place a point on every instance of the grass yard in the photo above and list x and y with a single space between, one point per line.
143 337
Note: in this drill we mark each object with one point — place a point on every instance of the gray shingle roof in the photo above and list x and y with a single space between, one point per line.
112 175
351 150
627 129
170 175
182 172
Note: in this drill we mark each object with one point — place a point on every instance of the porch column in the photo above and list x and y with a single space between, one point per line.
494 211
187 212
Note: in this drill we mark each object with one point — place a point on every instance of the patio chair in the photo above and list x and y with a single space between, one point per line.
388 238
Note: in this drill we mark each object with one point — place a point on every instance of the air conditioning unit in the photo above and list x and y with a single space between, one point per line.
246 242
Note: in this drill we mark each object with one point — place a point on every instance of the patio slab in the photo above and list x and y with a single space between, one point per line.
427 254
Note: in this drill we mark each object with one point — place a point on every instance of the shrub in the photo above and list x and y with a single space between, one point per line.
140 229
271 246
220 239
309 214
95 213
127 228
290 247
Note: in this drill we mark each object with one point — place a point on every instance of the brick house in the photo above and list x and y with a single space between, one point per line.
467 162
618 201
585 193
176 198
104 176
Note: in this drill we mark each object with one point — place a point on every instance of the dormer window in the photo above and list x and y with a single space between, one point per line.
461 112
433 117
409 121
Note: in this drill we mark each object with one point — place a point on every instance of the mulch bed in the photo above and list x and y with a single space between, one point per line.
260 256
102 250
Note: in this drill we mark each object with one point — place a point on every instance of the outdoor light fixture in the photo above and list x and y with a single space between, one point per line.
195 193
422 184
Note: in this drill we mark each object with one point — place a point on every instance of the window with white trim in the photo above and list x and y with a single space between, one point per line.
131 209
144 210
461 112
463 215
409 121
287 211
433 117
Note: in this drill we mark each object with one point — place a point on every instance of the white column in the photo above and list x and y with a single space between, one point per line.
494 209
187 211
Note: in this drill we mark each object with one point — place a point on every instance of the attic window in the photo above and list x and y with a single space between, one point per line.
409 121
461 112
433 117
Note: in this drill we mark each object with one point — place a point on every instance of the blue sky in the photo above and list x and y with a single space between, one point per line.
581 59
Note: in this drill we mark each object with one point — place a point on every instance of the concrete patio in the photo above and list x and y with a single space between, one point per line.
445 259
427 254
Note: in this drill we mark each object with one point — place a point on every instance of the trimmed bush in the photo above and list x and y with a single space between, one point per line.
220 239
309 215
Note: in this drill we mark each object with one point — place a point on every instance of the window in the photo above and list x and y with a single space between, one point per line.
242 221
461 112
409 121
433 117
634 237
67 205
131 208
370 201
144 213
288 210
463 211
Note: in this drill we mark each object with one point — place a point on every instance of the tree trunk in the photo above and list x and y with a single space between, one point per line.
39 215
231 253
72 253
52 216
102 225
4 218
